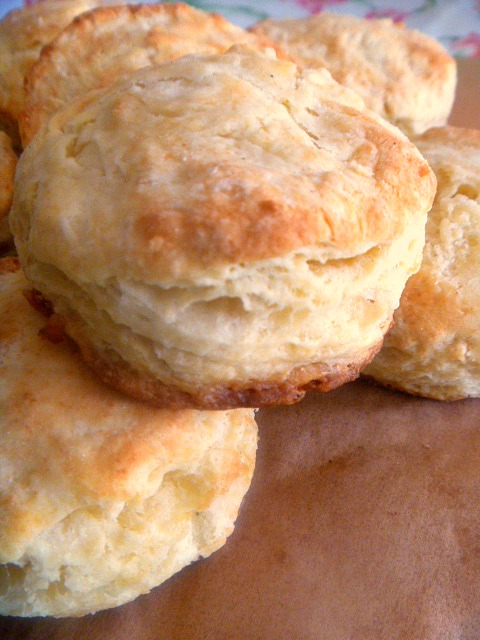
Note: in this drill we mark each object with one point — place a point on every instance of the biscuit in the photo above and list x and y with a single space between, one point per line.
23 33
101 45
433 349
229 230
404 75
8 163
102 497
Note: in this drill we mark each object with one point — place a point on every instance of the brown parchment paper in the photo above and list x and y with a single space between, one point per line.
466 110
362 523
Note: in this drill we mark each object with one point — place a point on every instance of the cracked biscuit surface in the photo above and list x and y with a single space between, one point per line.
229 230
433 349
404 75
101 45
102 497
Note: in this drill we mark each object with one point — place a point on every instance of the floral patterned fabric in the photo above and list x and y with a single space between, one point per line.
455 23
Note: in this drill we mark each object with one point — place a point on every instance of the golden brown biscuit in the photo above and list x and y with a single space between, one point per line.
23 33
101 45
229 230
102 497
404 75
8 163
433 349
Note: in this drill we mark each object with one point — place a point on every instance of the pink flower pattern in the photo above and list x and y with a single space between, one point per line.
396 16
469 46
315 6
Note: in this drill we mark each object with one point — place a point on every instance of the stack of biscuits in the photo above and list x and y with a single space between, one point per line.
204 221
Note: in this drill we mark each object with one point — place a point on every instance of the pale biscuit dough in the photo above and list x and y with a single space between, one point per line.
101 45
433 349
229 230
102 497
8 163
404 75
23 33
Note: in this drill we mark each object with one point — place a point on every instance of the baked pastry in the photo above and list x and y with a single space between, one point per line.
101 45
8 163
404 75
102 497
228 230
361 523
433 349
23 33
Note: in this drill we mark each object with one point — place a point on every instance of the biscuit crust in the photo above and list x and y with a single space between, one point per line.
102 497
405 76
433 349
99 46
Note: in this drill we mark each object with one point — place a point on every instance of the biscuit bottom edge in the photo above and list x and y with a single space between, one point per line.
286 390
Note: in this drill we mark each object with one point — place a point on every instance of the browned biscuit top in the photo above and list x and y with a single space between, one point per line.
101 45
404 75
213 161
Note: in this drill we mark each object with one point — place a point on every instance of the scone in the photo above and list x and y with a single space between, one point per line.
404 75
433 349
222 230
23 33
8 163
101 45
102 497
